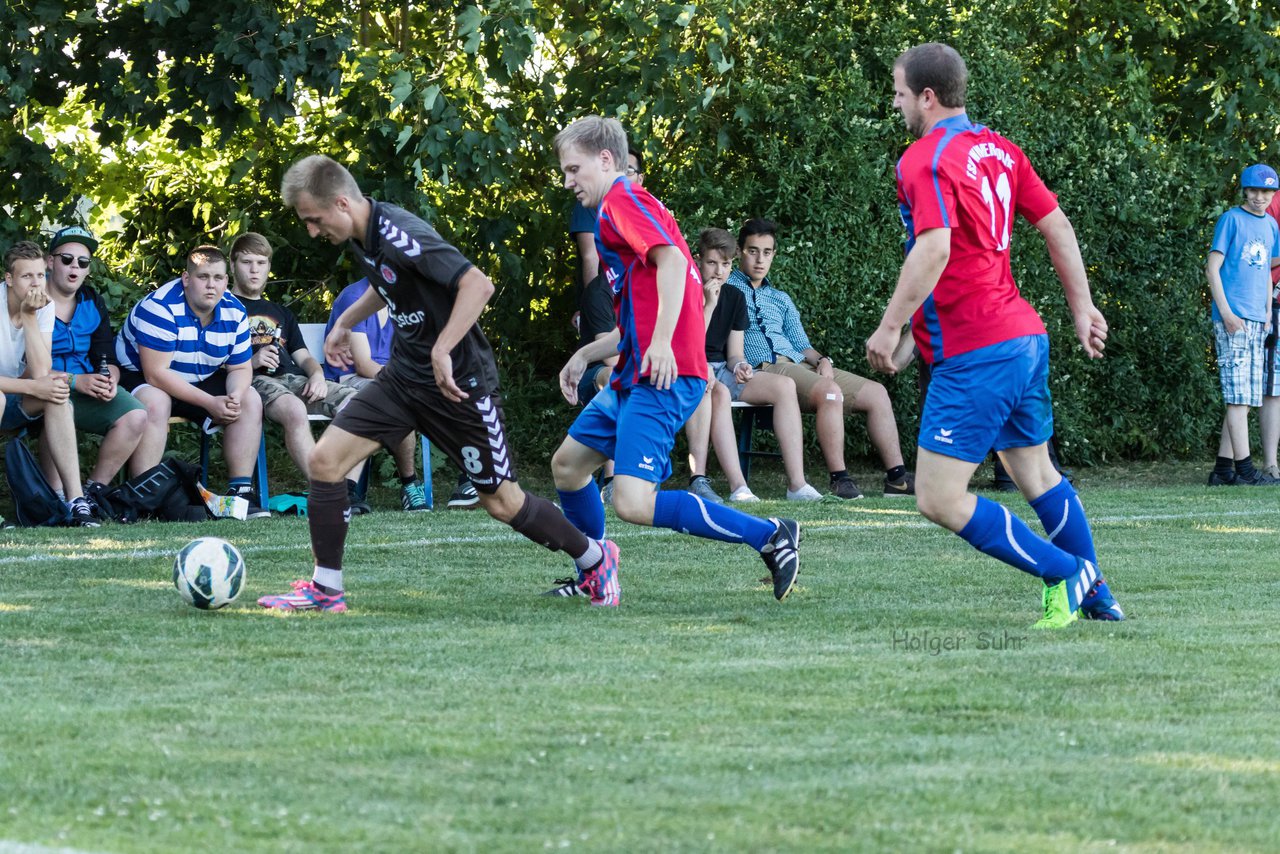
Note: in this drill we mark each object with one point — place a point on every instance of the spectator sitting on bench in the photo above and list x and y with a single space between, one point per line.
84 347
286 376
33 391
184 351
735 379
776 343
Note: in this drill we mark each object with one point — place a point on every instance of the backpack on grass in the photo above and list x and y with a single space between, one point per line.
35 504
168 492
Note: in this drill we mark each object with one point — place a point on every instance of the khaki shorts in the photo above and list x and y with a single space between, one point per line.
806 377
270 388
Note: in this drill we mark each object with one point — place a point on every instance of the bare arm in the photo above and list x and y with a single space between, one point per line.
337 344
362 354
474 290
920 273
1213 272
599 350
1064 251
588 258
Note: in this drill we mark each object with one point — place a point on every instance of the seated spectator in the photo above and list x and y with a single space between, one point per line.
370 350
33 391
288 379
776 343
735 379
84 348
184 351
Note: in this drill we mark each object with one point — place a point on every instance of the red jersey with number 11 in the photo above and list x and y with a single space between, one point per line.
971 180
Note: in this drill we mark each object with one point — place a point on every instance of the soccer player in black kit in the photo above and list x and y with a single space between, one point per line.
441 380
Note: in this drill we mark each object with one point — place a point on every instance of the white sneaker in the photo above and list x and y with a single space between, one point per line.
804 493
743 495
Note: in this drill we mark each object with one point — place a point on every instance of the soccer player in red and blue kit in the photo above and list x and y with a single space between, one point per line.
659 378
959 186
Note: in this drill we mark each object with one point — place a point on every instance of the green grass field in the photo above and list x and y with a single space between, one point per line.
897 700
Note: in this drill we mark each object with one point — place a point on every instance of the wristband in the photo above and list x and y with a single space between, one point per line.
740 363
828 358
71 382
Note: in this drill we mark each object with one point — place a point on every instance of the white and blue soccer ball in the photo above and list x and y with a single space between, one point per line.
209 573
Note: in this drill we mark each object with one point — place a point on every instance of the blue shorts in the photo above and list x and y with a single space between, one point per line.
15 417
637 428
995 397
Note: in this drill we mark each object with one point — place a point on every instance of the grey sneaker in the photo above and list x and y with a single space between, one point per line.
1273 471
845 488
804 493
701 487
900 488
1257 477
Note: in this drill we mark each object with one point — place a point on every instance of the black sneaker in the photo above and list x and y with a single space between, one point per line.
1228 479
356 501
567 586
464 495
782 555
82 515
843 487
1257 477
900 488
255 510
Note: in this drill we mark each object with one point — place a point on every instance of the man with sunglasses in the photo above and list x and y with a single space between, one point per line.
83 346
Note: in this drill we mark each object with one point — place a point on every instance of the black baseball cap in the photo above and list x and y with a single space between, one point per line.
73 234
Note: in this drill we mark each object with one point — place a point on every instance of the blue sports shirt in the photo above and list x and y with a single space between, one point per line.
1247 244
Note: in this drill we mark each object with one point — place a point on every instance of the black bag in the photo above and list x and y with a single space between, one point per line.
168 492
35 504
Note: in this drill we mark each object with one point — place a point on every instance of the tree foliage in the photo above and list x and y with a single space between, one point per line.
163 123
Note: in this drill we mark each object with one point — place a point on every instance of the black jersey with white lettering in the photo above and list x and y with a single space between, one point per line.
416 273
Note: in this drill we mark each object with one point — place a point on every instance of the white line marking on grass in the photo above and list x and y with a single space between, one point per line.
626 532
10 847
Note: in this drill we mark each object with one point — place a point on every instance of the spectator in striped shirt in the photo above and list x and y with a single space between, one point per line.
775 343
184 351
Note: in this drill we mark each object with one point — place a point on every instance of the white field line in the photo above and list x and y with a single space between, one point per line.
10 847
908 521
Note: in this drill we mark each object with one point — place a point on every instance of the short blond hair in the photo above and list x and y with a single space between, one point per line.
594 134
322 178
251 243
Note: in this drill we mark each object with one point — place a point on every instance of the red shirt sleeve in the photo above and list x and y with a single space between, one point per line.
636 218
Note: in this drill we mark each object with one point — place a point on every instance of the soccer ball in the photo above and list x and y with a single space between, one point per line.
208 573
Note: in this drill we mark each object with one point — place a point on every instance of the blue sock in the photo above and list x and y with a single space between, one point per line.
585 510
236 484
995 531
689 514
1062 515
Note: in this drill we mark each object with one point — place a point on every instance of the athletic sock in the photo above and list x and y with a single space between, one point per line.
993 530
584 509
836 475
328 580
542 522
1065 524
239 484
685 512
328 515
1223 466
408 479
592 556
895 474
1244 467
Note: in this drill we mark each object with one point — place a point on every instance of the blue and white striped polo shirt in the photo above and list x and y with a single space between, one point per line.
162 321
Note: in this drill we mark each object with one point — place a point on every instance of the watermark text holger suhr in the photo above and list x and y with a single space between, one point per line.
936 644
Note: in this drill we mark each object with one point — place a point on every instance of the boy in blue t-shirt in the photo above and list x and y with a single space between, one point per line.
1246 245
